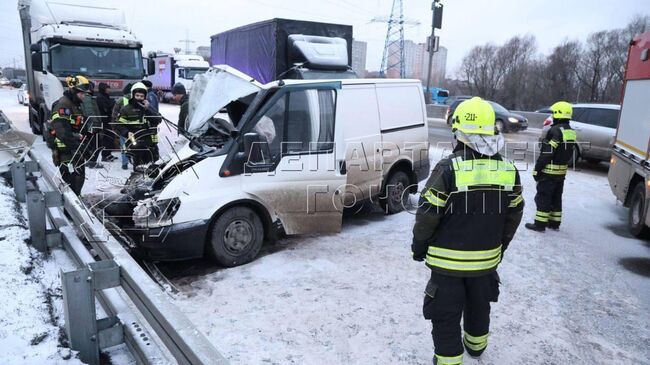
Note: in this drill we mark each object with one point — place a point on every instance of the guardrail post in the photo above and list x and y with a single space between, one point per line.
19 180
41 237
87 334
19 172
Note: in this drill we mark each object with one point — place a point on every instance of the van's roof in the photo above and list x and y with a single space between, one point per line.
345 81
599 106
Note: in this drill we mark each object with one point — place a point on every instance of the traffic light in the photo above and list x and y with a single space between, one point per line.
437 14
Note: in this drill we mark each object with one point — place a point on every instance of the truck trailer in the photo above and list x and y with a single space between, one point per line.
170 69
284 48
629 171
65 38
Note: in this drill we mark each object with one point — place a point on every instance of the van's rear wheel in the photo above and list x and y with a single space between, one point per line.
236 237
395 195
637 212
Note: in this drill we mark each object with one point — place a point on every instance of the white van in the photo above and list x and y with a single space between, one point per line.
287 156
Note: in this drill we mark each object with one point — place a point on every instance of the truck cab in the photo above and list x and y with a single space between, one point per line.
177 68
62 40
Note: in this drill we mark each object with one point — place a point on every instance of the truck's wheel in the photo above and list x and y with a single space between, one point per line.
637 212
395 195
236 237
34 122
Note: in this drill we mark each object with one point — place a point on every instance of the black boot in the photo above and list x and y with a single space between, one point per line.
554 226
535 227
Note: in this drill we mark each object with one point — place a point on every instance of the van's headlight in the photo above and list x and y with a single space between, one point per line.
155 213
513 120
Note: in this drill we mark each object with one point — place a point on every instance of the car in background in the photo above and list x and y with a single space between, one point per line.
505 122
4 81
452 99
16 83
23 95
595 126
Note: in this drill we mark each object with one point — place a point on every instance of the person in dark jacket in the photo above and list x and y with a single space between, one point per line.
181 97
558 148
154 121
469 211
133 125
67 123
152 97
105 105
124 100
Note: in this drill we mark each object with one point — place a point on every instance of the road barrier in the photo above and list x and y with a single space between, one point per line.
139 312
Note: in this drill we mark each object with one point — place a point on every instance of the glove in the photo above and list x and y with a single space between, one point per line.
418 258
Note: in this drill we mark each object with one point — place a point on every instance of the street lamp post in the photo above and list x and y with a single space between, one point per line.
432 44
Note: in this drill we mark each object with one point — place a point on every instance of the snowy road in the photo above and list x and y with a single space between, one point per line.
578 296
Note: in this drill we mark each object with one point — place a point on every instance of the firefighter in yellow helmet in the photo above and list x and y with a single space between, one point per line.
133 124
65 136
469 211
558 147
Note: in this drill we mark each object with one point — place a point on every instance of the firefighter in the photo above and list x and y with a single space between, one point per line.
67 122
133 125
124 100
550 170
469 211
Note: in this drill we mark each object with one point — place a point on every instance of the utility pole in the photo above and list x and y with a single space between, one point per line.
432 44
393 56
187 41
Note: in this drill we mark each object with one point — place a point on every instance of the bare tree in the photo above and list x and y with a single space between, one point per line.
514 60
516 76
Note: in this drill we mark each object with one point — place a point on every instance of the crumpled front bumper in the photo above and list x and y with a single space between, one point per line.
180 241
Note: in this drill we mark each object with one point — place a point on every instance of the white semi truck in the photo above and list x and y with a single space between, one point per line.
170 69
66 37
629 172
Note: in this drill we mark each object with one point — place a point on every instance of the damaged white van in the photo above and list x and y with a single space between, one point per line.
287 156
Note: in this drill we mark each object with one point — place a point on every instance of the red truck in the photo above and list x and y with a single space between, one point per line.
629 172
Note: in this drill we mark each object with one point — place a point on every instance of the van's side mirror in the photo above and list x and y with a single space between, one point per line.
151 66
35 47
37 62
254 150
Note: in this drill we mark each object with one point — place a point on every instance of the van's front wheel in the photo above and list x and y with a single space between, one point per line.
395 195
236 237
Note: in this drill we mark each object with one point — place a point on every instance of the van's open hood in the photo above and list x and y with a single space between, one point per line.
213 90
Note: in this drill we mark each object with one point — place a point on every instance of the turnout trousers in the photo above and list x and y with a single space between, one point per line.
549 202
75 178
448 299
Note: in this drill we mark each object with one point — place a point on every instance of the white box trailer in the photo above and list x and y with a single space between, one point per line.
170 69
629 172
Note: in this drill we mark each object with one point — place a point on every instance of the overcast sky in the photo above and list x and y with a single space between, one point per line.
160 24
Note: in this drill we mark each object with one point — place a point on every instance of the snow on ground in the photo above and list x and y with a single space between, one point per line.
578 296
355 297
32 327
31 312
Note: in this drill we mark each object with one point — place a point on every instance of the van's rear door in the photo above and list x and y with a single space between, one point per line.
297 174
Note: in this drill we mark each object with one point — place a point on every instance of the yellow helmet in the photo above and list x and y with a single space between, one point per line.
78 83
474 116
562 110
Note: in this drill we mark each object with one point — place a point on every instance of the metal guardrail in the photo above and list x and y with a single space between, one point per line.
178 334
138 302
